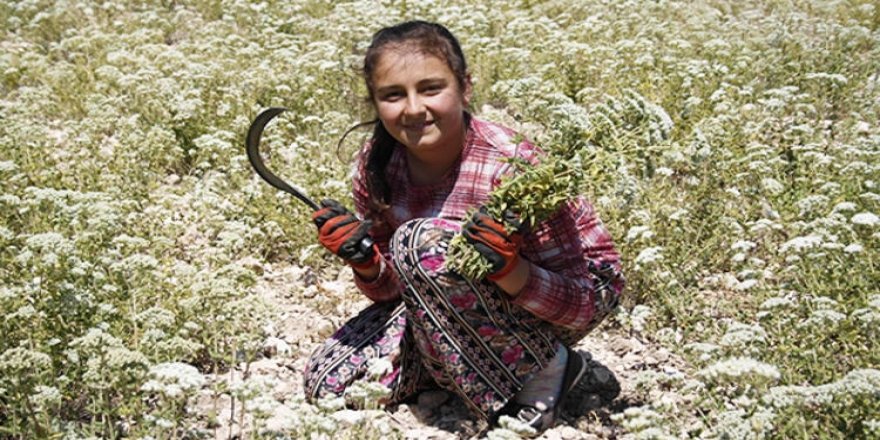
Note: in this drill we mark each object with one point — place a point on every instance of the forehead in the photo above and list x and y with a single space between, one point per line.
402 66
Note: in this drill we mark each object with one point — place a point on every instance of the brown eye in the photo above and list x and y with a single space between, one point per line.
392 96
433 89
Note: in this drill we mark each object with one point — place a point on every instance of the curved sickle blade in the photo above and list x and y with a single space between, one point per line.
253 154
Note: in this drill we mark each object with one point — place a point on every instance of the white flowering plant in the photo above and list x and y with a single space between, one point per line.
730 148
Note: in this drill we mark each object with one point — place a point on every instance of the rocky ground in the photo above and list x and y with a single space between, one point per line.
310 309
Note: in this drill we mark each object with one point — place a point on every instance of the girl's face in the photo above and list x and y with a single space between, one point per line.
419 102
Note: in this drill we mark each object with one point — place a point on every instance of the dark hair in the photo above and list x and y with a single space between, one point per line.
418 36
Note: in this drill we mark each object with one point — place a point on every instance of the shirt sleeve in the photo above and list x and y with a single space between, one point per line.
386 286
574 283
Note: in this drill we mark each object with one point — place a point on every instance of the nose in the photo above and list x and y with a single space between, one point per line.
414 105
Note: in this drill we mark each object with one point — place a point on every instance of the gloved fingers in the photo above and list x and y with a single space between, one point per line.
339 226
329 208
481 213
514 237
475 233
487 222
331 203
509 219
321 216
342 233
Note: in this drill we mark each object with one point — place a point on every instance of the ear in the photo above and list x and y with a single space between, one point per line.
468 90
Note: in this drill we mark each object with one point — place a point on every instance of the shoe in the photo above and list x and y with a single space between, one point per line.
542 419
597 388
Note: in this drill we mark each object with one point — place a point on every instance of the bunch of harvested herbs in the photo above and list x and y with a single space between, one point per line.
532 192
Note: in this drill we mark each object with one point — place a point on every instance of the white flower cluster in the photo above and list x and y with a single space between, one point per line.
378 368
777 302
823 320
857 384
46 397
639 233
635 319
21 361
868 318
740 370
703 350
777 307
510 428
174 380
835 79
812 205
649 255
642 422
801 244
366 394
737 424
865 219
745 338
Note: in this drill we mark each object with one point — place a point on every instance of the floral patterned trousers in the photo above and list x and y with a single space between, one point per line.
447 332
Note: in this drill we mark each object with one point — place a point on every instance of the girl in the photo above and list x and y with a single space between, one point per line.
501 344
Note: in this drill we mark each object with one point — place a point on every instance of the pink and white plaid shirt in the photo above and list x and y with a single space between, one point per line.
572 255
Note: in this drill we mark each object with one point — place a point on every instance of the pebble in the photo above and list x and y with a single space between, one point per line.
335 288
568 433
310 292
284 391
552 435
662 354
273 346
627 345
264 366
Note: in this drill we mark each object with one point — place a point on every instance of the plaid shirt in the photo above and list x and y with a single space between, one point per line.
572 255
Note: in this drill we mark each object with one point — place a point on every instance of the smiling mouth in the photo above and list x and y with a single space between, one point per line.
422 126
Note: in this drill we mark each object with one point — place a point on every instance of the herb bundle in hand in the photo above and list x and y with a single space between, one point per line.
531 192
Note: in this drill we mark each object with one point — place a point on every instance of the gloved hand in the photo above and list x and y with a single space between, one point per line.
341 233
490 239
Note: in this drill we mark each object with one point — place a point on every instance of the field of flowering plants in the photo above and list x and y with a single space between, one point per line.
732 148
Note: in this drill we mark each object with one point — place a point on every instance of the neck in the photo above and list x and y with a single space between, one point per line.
428 170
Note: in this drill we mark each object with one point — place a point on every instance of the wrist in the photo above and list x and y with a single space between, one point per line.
513 281
368 274
368 270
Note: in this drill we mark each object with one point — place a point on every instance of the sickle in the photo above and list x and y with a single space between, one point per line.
253 153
